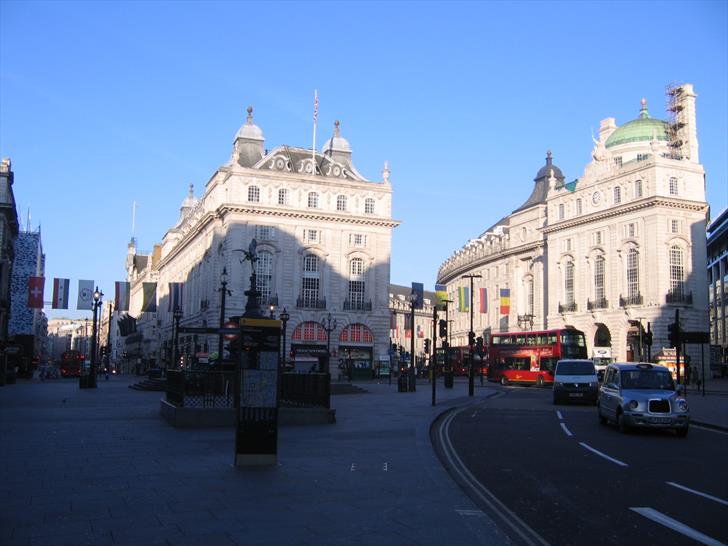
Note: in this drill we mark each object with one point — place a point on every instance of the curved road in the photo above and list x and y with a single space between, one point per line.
552 475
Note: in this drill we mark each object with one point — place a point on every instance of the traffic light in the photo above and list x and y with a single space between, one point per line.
427 346
471 338
443 328
673 334
479 345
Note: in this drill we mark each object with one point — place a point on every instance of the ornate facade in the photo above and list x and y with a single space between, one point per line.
323 235
618 248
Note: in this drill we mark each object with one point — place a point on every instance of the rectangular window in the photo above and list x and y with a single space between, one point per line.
561 211
264 233
578 207
311 236
630 230
617 195
283 197
357 239
638 188
673 185
674 226
643 157
597 238
356 294
618 161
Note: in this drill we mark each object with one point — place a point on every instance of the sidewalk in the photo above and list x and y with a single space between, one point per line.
711 409
100 467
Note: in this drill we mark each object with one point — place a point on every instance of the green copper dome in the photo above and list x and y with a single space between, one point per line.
643 129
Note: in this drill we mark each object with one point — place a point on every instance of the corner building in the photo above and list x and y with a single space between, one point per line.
619 247
323 235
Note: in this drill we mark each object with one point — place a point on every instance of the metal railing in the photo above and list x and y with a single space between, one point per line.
679 296
309 390
568 307
357 305
310 303
601 303
630 300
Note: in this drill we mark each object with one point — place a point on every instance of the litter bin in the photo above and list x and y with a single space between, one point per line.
449 380
402 383
412 382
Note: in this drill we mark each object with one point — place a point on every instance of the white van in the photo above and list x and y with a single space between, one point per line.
575 380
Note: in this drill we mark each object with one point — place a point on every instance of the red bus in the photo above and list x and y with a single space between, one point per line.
71 362
530 357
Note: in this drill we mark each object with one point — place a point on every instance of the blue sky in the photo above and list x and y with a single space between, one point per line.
103 104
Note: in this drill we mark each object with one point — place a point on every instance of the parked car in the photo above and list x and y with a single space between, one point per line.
575 380
642 395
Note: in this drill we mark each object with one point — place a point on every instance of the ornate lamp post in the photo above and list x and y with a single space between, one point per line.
329 325
284 316
98 295
471 337
525 320
177 315
272 309
223 292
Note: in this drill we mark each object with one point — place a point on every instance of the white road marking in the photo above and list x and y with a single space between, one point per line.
709 429
662 519
561 417
353 467
711 497
607 457
478 513
386 467
566 430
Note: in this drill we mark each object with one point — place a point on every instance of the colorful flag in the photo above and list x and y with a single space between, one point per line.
315 106
420 331
483 300
408 325
121 299
35 292
505 301
60 293
464 299
175 296
149 304
418 293
441 297
85 295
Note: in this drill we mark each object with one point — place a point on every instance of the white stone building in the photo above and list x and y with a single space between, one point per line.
622 246
323 246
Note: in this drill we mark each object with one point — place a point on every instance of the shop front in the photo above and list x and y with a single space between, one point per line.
356 352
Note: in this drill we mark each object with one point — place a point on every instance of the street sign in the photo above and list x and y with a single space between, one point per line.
695 337
197 330
234 330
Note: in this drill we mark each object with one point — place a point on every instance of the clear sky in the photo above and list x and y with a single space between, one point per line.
104 103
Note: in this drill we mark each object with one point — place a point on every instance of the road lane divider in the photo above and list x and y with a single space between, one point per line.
566 430
496 508
700 493
558 414
607 457
675 525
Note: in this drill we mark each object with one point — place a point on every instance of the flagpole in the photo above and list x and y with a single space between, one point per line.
315 121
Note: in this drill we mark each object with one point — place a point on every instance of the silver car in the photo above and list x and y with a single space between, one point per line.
642 395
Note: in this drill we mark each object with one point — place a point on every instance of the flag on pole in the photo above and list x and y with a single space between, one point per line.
420 331
393 321
407 325
35 292
418 293
121 300
315 106
505 301
85 294
60 293
175 296
441 297
483 300
149 304
315 121
464 299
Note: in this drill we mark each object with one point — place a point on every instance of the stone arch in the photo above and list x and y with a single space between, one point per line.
602 336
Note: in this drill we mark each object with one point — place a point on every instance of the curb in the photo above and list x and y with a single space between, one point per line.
712 426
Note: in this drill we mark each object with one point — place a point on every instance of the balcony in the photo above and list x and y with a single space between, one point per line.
271 300
357 305
636 299
567 308
601 303
310 303
679 297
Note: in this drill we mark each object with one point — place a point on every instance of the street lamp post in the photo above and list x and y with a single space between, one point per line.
413 370
284 316
177 315
98 295
329 325
471 337
223 292
272 309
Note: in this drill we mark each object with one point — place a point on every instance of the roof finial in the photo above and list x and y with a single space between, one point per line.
643 110
337 133
250 115
548 157
385 172
192 190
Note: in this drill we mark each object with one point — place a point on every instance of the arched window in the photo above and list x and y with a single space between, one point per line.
569 284
264 275
357 285
313 200
369 206
310 281
673 185
254 194
599 292
341 202
283 196
633 275
677 273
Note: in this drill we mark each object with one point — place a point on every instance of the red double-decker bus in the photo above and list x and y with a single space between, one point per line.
530 357
71 362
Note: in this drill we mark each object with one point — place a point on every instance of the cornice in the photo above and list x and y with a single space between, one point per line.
649 202
483 260
306 215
